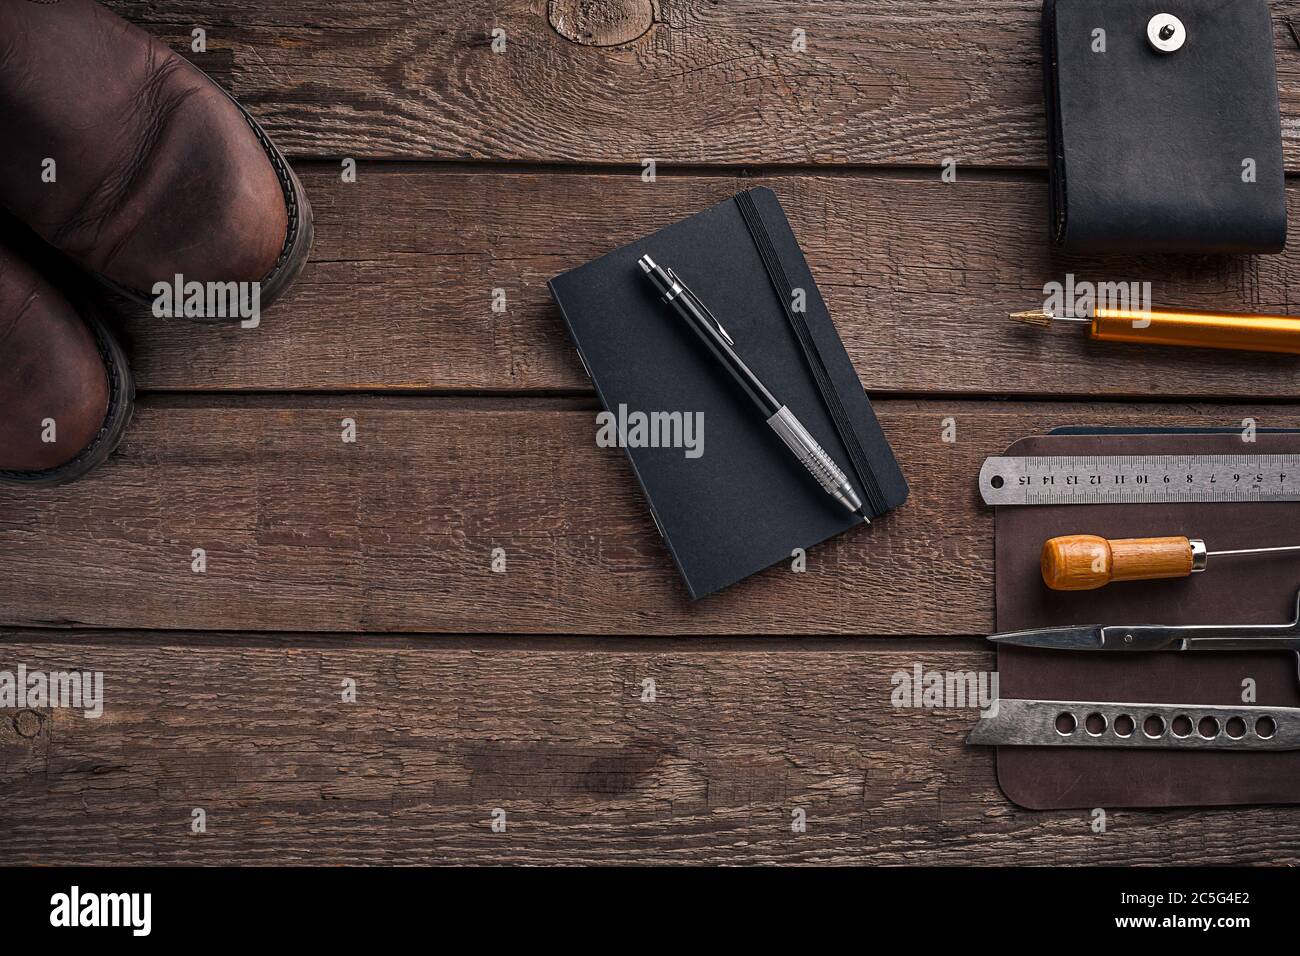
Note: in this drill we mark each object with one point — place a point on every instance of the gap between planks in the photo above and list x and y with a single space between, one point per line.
453 400
434 642
739 171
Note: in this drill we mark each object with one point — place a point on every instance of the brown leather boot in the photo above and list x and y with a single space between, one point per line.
134 163
65 387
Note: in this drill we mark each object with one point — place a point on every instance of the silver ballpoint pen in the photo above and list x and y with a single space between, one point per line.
781 420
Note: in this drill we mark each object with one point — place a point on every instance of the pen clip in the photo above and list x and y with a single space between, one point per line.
699 304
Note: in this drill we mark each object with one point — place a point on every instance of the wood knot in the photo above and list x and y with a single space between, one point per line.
601 22
27 723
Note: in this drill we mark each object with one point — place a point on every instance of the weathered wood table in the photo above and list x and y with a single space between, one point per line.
526 692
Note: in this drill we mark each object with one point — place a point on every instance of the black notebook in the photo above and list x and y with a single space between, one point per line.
737 501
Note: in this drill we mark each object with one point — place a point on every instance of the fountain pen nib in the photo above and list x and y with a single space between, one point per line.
1033 317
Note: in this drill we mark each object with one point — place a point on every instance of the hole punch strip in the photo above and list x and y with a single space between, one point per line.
1055 723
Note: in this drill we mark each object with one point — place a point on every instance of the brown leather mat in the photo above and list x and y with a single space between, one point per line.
1240 590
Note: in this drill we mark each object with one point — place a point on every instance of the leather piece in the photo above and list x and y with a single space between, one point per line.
1241 590
158 172
50 367
1145 149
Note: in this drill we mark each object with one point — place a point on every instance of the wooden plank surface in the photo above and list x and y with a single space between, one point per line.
586 771
918 274
395 532
898 82
223 688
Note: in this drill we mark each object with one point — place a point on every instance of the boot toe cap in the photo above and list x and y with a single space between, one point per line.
55 385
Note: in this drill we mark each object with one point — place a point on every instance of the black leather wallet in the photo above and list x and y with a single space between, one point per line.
1163 127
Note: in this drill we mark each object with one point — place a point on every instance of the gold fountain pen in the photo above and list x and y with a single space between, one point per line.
1249 333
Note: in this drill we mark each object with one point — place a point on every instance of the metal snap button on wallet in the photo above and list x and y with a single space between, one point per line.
1166 33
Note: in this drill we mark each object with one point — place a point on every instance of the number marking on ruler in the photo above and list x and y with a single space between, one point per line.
1139 479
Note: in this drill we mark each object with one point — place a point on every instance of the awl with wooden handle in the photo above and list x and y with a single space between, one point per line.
1082 562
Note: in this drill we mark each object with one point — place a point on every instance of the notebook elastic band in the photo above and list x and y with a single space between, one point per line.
812 354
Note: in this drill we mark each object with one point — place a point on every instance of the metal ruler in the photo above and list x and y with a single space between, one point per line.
1139 479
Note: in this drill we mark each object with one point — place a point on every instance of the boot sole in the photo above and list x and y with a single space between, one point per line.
297 241
121 406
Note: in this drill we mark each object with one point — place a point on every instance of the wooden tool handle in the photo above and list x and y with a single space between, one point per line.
1082 562
1250 333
